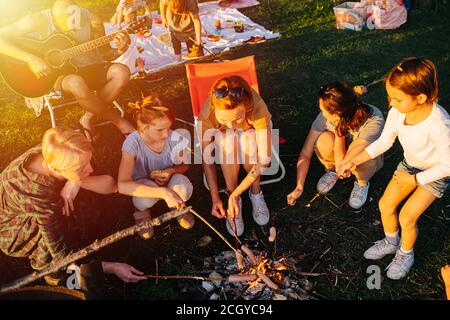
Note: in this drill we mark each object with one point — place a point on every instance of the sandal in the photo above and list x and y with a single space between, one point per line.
91 135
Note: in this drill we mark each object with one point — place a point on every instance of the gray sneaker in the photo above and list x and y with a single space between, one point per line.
260 211
380 249
327 182
400 265
358 196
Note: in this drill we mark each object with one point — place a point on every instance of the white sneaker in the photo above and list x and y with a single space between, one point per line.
327 182
260 211
239 222
380 249
358 196
400 265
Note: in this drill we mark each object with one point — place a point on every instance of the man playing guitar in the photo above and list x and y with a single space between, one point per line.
108 79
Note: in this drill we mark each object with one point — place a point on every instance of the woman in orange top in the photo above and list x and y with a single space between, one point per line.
239 121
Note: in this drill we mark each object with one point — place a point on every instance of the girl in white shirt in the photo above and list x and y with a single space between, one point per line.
423 129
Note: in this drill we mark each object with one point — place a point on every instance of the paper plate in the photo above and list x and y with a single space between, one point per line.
213 37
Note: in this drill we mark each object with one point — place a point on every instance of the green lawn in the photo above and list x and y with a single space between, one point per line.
310 53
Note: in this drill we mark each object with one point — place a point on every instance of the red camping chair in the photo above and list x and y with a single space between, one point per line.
201 77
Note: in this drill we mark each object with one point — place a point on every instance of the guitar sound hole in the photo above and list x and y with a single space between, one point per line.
54 59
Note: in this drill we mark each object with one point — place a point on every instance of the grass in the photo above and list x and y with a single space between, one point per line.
310 53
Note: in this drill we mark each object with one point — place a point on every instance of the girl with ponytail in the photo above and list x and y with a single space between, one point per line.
154 159
343 128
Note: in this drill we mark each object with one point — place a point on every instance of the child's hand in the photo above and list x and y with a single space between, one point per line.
164 23
344 169
233 206
69 193
173 200
161 177
404 178
217 209
123 271
294 195
360 90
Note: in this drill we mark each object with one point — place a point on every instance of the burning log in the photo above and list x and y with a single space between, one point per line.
242 277
272 285
250 254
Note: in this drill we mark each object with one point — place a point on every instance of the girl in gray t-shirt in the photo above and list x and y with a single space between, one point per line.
154 159
343 128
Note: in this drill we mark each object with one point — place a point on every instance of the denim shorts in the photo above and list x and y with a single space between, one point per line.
436 188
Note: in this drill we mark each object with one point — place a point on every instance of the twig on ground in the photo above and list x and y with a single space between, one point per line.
334 204
326 251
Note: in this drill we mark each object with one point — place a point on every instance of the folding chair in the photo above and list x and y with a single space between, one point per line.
54 100
201 77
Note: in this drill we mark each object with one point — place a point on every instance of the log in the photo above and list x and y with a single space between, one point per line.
97 245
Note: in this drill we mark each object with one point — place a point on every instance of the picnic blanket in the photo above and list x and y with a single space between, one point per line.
158 53
230 4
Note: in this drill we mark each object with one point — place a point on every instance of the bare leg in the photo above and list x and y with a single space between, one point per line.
324 150
393 195
229 163
117 77
76 85
249 156
416 205
364 172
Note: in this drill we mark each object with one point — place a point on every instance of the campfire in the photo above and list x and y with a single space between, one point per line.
254 277
259 278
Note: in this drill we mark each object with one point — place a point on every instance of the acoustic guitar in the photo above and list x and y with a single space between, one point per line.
57 51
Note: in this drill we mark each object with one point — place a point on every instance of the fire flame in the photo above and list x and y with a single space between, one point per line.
269 268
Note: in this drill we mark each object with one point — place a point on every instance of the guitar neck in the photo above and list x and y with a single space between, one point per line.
87 46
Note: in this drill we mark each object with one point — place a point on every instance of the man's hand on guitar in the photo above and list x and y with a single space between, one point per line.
122 40
38 67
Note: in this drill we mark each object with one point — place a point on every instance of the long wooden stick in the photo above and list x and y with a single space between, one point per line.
213 229
184 277
97 245
374 82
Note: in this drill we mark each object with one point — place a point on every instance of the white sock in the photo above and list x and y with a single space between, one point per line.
393 238
255 194
406 251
